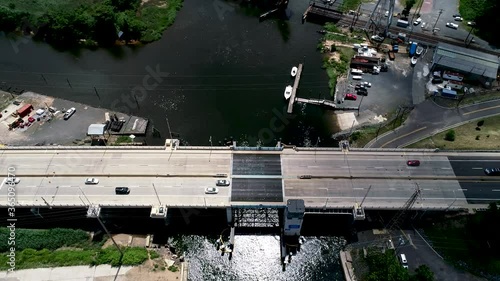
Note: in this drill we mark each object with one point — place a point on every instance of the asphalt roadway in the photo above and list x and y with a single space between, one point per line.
178 178
428 119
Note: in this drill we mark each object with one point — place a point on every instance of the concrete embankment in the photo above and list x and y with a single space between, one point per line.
346 260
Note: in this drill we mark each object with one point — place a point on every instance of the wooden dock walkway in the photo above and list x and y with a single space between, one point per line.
325 103
294 89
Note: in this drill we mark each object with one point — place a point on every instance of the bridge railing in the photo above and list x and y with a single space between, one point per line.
391 149
61 147
318 149
204 147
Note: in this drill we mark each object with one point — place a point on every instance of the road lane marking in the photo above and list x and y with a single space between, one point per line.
358 188
479 110
402 136
446 168
497 190
477 168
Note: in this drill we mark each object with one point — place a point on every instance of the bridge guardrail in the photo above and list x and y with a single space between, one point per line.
318 148
203 147
392 149
57 147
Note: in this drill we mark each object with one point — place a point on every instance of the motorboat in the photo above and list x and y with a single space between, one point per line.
413 61
294 71
419 51
288 92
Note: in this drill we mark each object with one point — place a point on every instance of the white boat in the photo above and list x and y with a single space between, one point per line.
294 71
413 61
288 91
419 51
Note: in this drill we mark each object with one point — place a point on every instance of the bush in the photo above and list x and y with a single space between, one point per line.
173 268
45 239
355 136
450 135
477 137
153 255
480 123
478 129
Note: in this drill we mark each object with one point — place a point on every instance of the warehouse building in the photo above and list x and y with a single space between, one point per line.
476 67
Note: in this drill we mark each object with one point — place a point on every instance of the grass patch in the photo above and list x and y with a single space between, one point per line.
467 136
471 9
336 69
350 5
123 139
30 258
361 137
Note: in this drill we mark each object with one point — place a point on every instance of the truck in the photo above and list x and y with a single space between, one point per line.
449 93
395 48
402 23
413 49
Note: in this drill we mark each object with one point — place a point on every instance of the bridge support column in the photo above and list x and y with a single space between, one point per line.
358 213
229 215
292 225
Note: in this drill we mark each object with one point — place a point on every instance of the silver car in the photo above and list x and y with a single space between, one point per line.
222 183
91 181
211 190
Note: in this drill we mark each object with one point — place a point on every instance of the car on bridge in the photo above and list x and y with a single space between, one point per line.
414 163
122 190
91 181
492 171
222 183
12 181
452 25
211 190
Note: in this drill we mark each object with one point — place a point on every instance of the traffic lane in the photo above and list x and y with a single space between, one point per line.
256 164
481 192
356 189
473 166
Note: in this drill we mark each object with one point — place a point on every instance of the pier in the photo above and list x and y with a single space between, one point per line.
324 102
322 11
294 89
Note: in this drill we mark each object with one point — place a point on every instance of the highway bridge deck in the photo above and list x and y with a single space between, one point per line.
178 178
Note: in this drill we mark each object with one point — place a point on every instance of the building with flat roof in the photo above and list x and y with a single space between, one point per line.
473 65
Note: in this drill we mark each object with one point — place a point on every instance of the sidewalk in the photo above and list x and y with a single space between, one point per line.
70 273
428 119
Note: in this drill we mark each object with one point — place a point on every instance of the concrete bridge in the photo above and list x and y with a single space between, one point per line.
329 180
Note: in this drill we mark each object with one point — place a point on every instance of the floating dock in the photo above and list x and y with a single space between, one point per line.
324 102
294 89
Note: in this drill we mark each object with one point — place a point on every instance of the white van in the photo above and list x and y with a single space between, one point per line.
403 260
357 77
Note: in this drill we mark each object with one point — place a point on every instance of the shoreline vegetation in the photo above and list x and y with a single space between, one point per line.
89 23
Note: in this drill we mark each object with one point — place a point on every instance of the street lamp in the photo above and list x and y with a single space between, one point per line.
210 155
316 150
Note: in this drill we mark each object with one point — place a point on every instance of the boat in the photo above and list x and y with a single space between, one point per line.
288 92
294 71
413 61
420 50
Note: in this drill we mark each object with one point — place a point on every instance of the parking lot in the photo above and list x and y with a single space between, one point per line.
388 91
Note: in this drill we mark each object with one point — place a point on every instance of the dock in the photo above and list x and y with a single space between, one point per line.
322 11
294 89
324 102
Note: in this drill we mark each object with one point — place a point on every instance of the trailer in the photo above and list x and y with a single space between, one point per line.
448 75
25 110
403 23
413 49
447 93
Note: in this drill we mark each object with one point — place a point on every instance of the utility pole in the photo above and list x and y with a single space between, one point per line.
360 104
169 132
434 27
315 151
470 31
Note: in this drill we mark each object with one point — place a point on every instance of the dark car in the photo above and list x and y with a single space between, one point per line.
413 163
437 80
362 92
492 171
122 190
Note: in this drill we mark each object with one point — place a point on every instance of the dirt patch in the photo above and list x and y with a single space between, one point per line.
127 240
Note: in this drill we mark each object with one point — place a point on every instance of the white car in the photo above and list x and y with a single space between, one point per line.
452 25
211 190
222 183
366 84
12 180
69 113
377 38
471 23
459 18
91 181
417 21
423 25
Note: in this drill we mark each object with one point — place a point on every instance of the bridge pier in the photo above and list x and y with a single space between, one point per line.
292 225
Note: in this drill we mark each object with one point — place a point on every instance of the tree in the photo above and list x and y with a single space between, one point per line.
450 135
105 30
423 273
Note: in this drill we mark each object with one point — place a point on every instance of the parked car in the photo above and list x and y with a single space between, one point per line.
377 38
471 23
222 183
69 113
456 15
366 84
211 190
459 18
492 171
91 181
423 25
12 180
437 80
452 25
31 119
122 190
417 21
404 262
362 92
350 97
413 163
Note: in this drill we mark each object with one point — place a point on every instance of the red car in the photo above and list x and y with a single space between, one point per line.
413 163
350 97
31 119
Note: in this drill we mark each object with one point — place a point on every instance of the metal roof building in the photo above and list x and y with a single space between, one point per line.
96 129
474 65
